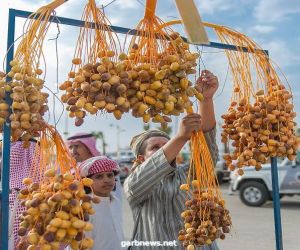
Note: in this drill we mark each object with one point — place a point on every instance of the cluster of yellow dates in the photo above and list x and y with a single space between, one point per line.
29 102
57 212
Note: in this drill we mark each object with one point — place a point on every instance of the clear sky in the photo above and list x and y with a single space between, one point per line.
274 24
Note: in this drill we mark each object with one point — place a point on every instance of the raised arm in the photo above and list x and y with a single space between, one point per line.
207 84
188 124
147 176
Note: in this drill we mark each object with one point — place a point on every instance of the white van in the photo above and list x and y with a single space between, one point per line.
255 187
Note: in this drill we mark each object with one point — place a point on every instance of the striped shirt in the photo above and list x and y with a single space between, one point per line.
153 193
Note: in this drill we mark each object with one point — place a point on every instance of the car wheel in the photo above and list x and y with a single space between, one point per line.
253 193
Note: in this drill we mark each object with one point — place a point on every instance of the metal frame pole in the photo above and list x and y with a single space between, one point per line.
276 204
276 201
122 30
6 140
4 196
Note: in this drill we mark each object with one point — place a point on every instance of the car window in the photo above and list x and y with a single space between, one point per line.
289 163
298 157
286 162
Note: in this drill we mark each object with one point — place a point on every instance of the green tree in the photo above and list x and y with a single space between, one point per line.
146 126
100 136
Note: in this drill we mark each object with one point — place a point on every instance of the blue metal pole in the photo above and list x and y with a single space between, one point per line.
276 204
122 30
276 201
6 141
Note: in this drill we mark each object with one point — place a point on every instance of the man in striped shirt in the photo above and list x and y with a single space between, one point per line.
152 189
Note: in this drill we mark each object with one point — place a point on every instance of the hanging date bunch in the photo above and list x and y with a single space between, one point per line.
260 120
26 78
57 209
95 82
4 87
205 217
158 63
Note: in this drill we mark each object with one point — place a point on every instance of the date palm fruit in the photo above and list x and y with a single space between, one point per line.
260 130
55 215
147 91
205 220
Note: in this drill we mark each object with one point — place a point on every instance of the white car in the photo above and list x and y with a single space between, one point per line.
255 187
222 172
126 155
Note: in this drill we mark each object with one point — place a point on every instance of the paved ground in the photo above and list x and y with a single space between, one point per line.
253 228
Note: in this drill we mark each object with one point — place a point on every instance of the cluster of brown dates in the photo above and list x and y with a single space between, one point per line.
260 130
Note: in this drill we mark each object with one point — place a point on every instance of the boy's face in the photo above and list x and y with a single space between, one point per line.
79 151
103 183
154 144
